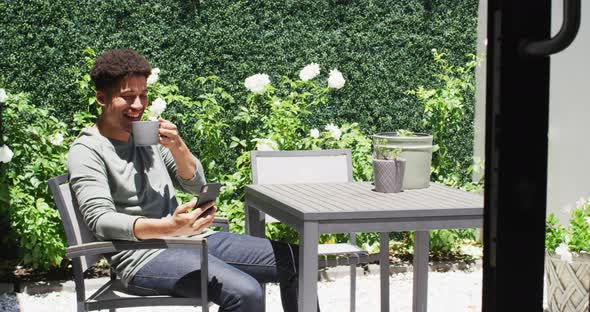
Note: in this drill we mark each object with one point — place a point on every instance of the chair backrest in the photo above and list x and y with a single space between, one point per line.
322 166
77 232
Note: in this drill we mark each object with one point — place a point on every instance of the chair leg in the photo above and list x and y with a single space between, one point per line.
352 286
80 286
113 275
263 297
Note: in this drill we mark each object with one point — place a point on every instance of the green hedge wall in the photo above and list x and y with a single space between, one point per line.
383 48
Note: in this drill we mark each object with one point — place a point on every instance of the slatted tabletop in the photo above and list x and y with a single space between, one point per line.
340 201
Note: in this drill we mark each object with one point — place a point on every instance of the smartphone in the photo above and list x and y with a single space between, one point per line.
208 193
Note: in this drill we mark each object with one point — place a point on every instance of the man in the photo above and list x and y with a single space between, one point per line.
125 192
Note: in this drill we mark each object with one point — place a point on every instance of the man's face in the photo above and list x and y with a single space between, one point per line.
126 104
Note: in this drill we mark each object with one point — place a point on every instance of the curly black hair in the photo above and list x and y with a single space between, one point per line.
114 65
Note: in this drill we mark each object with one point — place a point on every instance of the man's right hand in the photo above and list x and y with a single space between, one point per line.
182 222
193 222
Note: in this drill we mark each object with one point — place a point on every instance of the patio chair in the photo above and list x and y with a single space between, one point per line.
320 166
85 251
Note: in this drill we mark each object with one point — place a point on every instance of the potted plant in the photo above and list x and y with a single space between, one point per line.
567 260
145 132
416 149
389 170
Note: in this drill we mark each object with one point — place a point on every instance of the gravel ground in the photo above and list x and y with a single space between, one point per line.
449 291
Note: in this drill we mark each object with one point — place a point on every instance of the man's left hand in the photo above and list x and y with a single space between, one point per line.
169 136
186 165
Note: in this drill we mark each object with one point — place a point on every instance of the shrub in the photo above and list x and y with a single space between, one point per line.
572 239
40 143
219 127
447 114
275 120
382 46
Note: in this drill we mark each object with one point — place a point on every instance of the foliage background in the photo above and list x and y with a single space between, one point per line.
382 47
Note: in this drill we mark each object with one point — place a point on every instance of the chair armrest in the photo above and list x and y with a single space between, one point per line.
220 220
164 243
96 248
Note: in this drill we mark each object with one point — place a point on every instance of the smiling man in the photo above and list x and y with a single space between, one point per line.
127 192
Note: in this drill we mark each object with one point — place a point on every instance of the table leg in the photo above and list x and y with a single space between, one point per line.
254 221
384 274
420 296
308 267
255 227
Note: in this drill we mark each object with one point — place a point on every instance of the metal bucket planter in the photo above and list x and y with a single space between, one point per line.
416 150
568 284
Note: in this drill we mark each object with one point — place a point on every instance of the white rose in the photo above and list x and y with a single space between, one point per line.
564 253
336 80
153 77
588 220
309 72
3 96
57 139
257 83
266 145
335 132
581 202
157 108
277 103
314 133
471 250
5 154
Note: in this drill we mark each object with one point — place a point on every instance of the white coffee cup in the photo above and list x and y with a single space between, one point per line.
145 133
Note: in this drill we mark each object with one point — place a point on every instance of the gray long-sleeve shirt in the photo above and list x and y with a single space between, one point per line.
117 183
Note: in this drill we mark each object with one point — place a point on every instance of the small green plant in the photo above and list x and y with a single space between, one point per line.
384 151
405 133
554 233
564 241
387 153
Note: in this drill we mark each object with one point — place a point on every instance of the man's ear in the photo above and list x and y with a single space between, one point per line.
102 98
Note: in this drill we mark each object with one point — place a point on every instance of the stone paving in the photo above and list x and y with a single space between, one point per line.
449 291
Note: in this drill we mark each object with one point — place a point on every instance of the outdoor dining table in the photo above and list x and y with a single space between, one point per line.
313 209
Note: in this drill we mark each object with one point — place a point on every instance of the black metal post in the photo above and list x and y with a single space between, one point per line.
516 157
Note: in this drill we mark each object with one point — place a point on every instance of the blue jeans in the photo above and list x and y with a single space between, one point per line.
237 266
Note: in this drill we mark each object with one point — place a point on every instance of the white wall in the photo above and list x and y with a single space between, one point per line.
479 122
569 118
